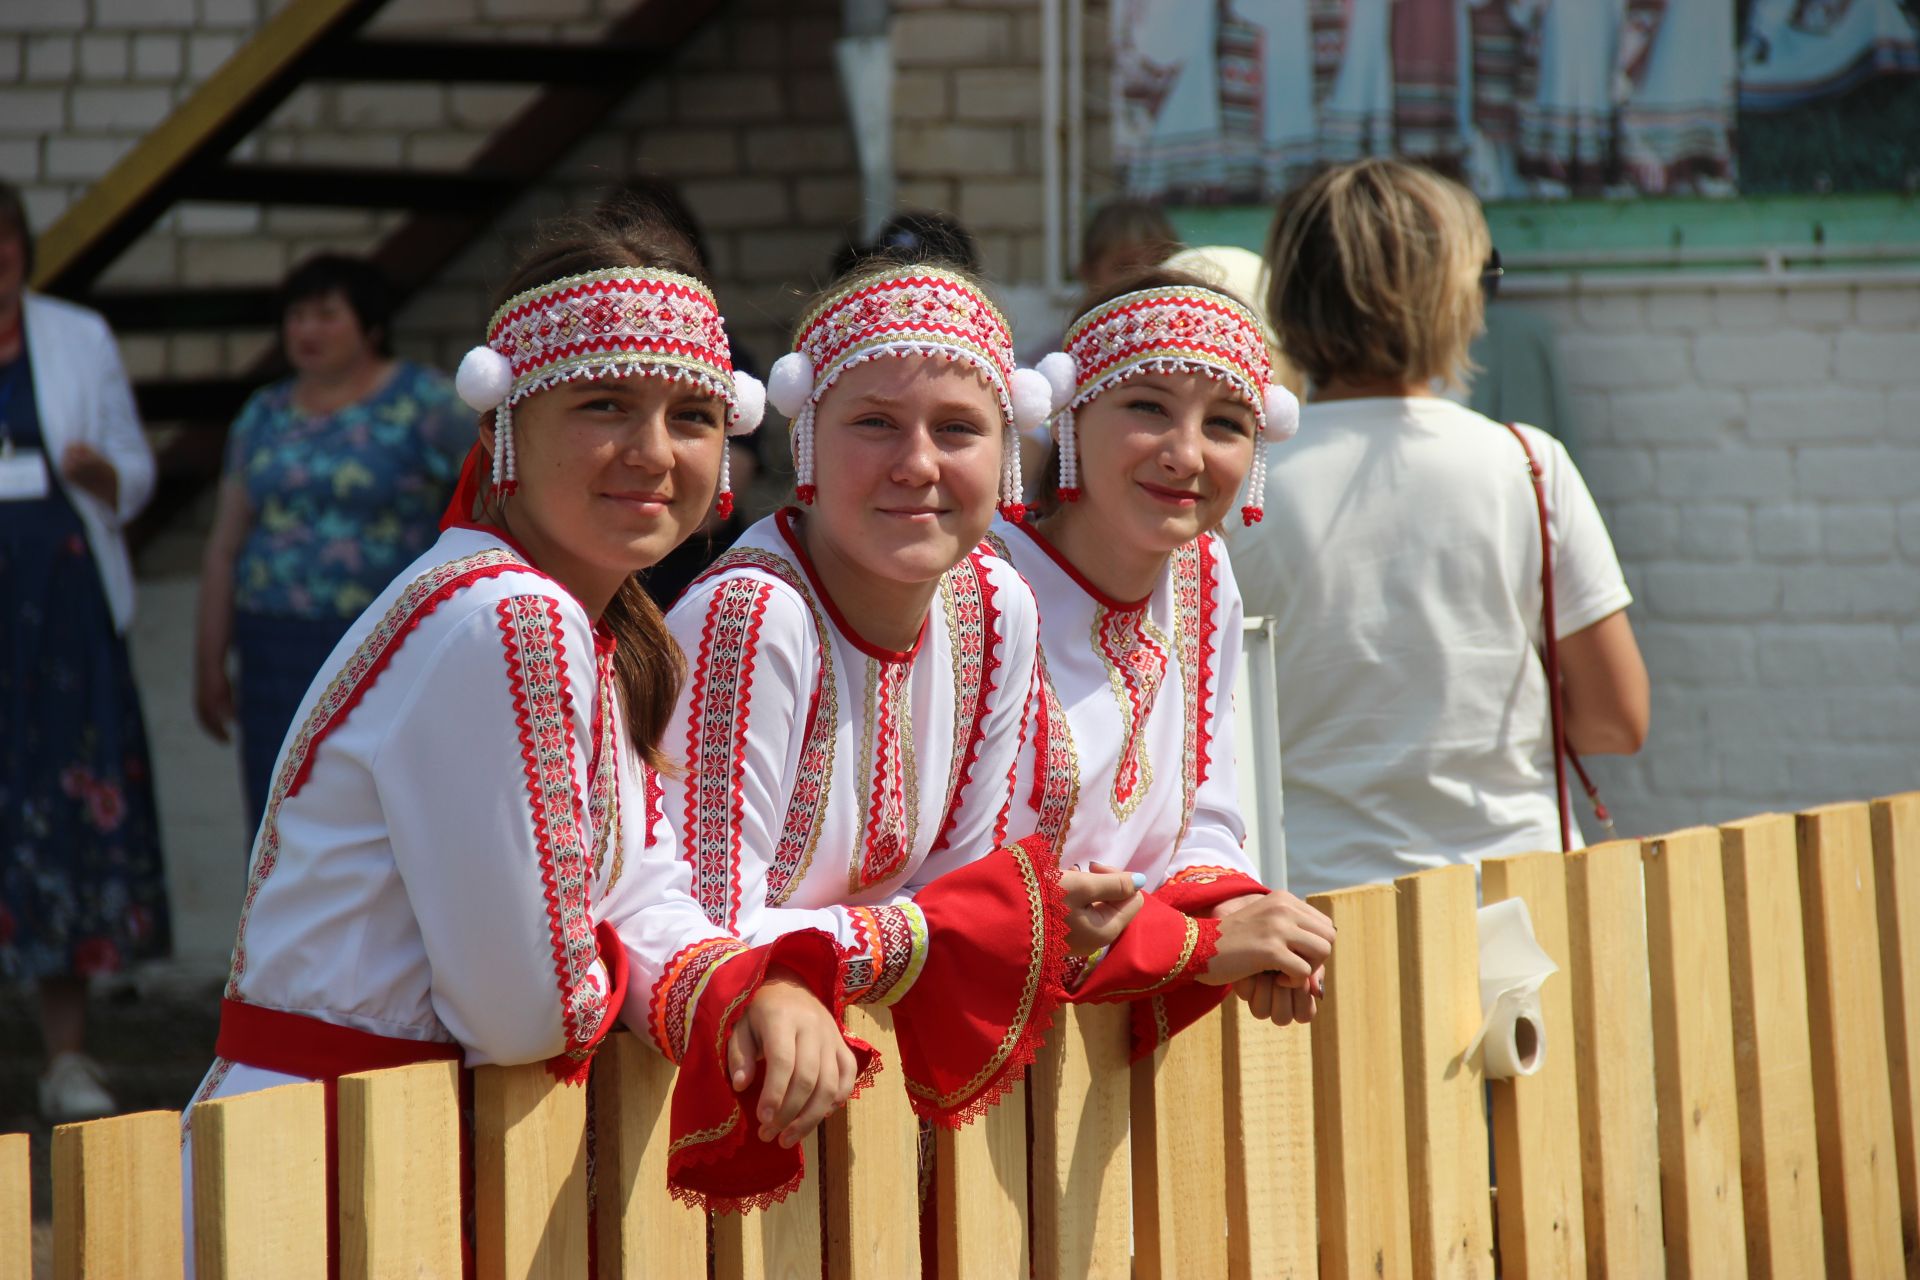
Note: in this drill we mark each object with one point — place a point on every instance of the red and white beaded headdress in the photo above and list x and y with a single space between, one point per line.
909 311
623 322
1170 329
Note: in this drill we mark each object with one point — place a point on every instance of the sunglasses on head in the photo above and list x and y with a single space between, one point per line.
1491 273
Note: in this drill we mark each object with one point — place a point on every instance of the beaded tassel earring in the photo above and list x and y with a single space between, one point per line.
1012 497
749 407
506 480
803 486
1281 420
1067 439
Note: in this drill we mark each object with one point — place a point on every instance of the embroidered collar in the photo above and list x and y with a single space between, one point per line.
1080 579
787 521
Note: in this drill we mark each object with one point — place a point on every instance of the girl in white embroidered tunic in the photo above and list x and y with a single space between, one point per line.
1166 399
464 855
861 679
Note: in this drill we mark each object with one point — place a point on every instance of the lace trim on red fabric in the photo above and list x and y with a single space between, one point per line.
722 695
530 631
1197 890
343 693
703 1081
1041 995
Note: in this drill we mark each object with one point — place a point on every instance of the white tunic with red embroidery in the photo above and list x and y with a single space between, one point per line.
455 813
1133 764
830 784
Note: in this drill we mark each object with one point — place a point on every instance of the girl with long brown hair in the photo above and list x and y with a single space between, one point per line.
464 854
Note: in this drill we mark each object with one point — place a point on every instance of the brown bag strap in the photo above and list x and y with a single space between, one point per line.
1563 755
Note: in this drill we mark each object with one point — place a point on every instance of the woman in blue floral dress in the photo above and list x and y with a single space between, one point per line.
82 890
335 481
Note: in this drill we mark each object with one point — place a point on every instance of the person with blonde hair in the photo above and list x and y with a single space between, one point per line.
1401 556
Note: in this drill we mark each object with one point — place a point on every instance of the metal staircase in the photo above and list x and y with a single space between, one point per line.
189 156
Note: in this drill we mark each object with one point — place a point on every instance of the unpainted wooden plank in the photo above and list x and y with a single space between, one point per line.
530 1174
1896 867
1451 1222
116 1198
16 1208
1613 1041
1700 1189
1772 1059
260 1184
1179 1178
1359 1099
400 1212
1541 1214
981 1193
1272 1205
642 1230
873 1196
1082 1163
1852 1096
780 1242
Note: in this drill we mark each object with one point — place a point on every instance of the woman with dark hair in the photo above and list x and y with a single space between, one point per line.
81 885
464 857
334 479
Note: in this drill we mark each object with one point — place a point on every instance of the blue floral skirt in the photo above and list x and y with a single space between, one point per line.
82 888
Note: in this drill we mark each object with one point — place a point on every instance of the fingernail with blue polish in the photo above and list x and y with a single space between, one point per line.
1139 880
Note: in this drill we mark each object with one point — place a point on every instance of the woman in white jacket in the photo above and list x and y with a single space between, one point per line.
81 885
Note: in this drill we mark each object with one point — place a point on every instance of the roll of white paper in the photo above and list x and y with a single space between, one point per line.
1513 967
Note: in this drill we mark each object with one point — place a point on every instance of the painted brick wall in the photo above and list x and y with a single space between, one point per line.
1757 457
967 121
750 117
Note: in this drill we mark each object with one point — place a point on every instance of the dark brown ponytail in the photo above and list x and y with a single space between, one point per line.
648 665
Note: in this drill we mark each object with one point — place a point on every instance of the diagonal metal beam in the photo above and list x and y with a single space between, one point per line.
119 208
619 63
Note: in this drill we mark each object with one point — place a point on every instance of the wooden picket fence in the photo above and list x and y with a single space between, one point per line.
1729 1088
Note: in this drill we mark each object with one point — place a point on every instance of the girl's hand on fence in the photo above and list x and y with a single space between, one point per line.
1272 1000
810 1071
1278 934
1101 903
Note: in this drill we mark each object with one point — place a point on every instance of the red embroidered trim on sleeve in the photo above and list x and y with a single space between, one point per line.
655 798
1195 581
530 630
722 694
973 635
890 948
603 771
343 693
677 993
813 778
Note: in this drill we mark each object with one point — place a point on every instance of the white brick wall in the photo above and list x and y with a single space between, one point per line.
1757 456
82 80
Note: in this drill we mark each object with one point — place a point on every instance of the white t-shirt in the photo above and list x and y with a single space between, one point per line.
1400 561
